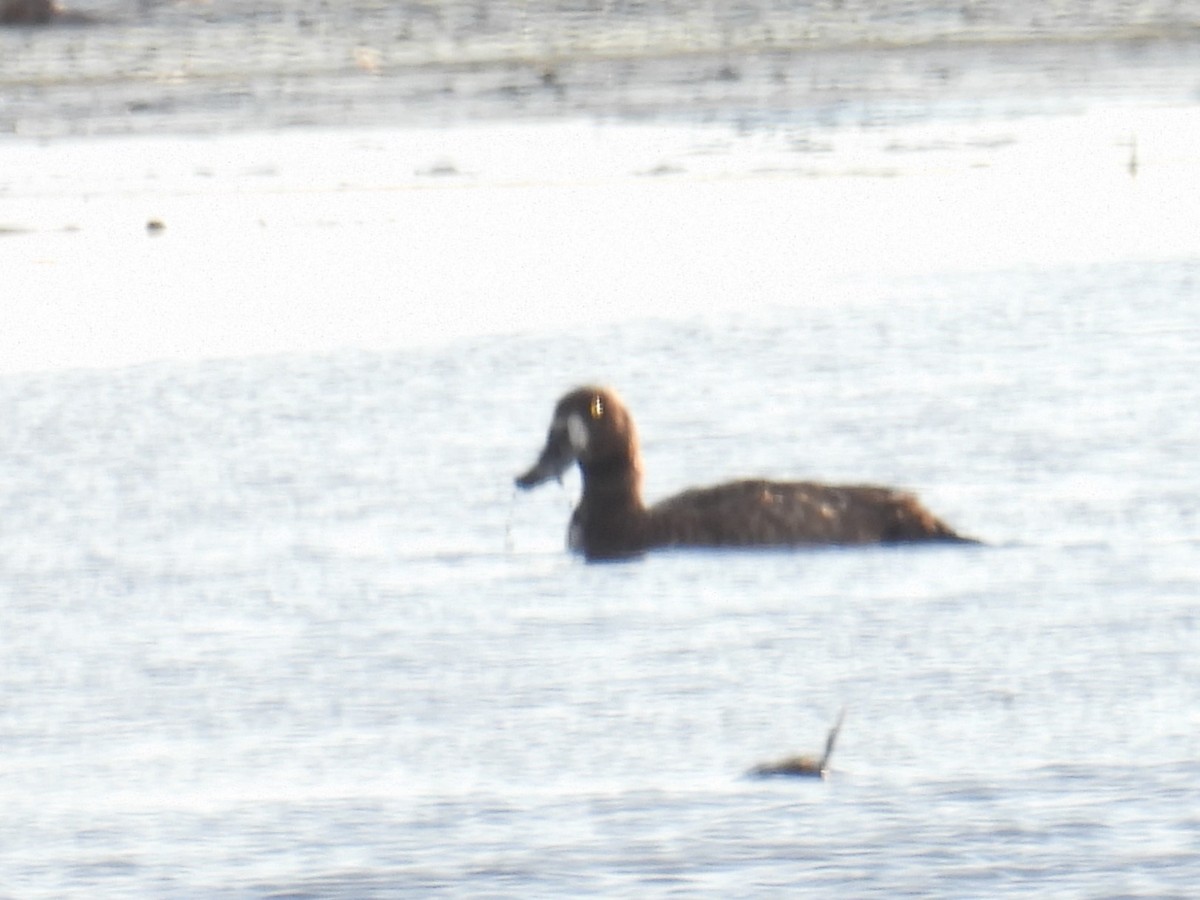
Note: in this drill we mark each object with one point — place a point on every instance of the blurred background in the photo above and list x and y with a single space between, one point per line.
222 64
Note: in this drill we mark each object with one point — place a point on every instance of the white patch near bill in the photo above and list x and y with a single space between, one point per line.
577 433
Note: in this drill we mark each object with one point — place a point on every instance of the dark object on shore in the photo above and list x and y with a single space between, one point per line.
155 226
592 427
39 12
803 766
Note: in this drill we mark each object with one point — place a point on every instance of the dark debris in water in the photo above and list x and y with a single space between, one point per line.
40 12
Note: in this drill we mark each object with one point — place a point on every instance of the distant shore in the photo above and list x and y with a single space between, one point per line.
210 69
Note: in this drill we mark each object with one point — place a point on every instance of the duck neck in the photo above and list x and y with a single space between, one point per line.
614 483
610 518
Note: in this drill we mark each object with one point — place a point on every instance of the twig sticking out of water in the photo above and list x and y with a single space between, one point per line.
803 766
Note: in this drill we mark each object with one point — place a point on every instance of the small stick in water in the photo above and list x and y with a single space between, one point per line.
803 766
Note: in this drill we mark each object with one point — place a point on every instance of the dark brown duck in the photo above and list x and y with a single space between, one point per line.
592 427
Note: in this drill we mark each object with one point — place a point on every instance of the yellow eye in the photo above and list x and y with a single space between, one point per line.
597 409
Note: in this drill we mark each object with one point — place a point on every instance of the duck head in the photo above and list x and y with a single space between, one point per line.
590 426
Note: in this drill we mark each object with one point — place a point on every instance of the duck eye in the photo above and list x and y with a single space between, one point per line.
597 408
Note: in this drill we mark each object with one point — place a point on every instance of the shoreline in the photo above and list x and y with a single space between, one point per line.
748 84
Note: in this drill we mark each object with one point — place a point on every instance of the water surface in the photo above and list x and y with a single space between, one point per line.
273 623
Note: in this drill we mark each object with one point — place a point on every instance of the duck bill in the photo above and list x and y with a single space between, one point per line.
555 459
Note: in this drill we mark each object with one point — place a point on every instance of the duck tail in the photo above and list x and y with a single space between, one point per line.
950 536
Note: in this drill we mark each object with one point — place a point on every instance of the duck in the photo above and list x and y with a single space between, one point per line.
39 12
802 766
592 427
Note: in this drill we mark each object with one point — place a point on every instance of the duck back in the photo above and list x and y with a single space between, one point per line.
782 513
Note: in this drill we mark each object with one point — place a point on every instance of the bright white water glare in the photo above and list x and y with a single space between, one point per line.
312 242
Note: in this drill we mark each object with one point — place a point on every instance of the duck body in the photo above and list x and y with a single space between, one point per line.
593 428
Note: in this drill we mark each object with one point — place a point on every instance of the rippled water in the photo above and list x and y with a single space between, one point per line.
273 622
279 626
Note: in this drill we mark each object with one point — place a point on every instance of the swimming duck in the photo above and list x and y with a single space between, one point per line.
592 427
803 766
